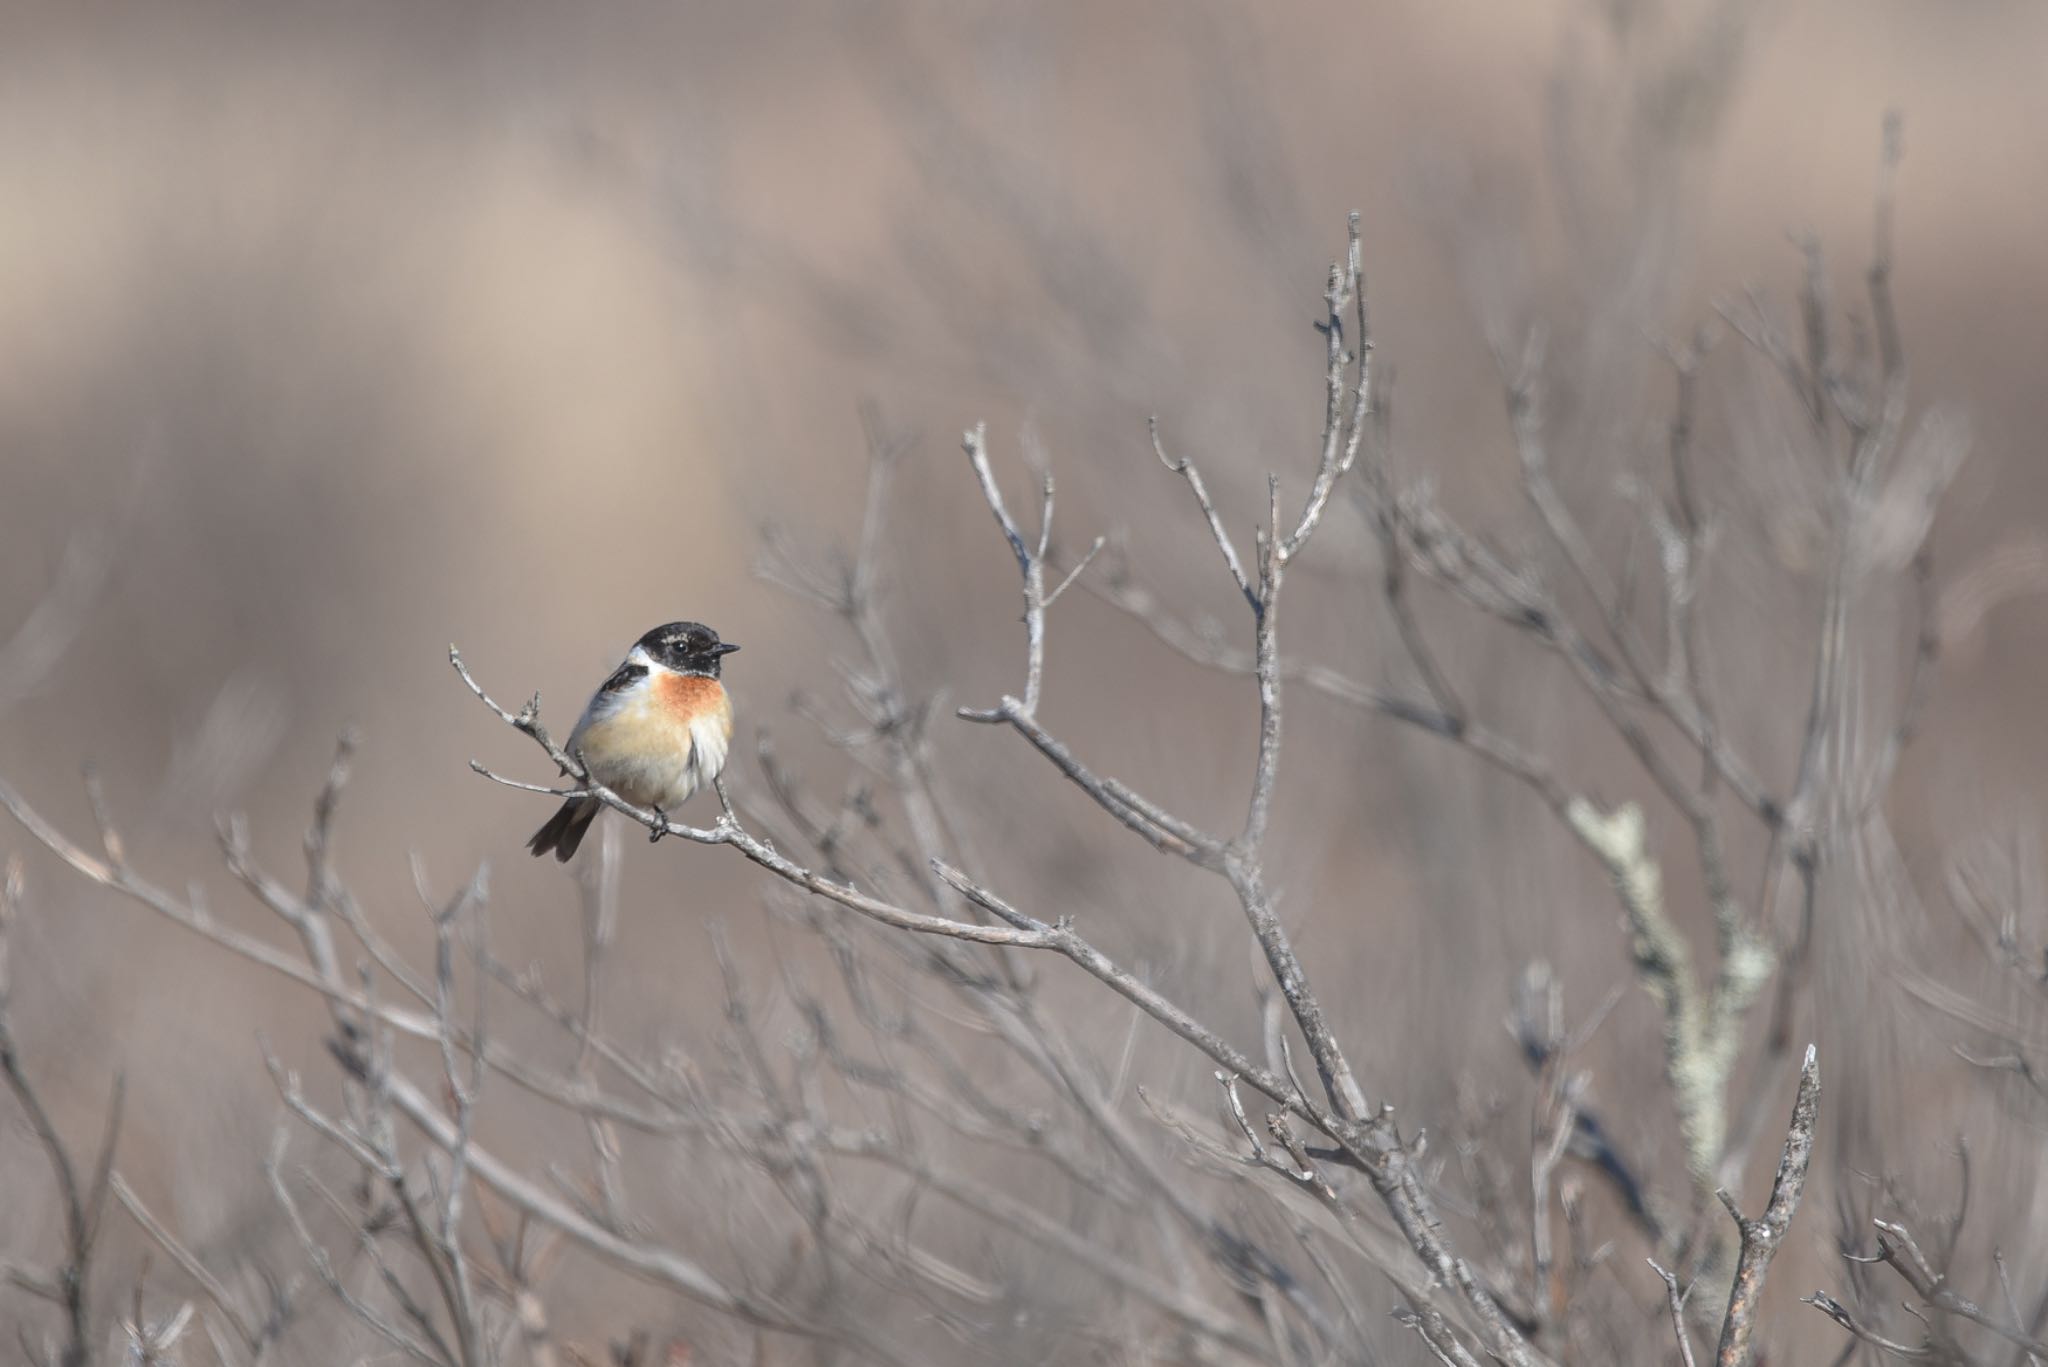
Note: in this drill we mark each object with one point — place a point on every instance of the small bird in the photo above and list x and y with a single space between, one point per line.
654 732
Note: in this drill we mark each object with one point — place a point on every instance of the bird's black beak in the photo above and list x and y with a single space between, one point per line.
724 648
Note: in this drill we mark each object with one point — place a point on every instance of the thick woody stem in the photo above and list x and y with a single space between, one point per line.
1761 1237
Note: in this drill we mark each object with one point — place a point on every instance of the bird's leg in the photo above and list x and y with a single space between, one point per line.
660 828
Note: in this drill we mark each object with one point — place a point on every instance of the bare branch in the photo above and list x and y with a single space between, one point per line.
1342 433
1187 471
1897 1247
251 1335
81 1202
1839 1313
1030 564
1677 1302
1761 1237
1163 830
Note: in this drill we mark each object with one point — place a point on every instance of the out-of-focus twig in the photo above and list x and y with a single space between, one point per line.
81 1196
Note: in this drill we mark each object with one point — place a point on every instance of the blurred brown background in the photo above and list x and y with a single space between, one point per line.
350 331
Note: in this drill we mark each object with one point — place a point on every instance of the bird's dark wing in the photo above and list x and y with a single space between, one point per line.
624 677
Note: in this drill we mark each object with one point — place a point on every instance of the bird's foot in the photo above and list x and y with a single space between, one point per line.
660 827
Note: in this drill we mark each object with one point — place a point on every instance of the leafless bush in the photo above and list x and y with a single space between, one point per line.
933 1145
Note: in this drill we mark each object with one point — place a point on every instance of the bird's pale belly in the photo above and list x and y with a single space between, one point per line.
649 757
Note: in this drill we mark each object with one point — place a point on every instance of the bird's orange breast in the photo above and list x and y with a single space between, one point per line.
689 698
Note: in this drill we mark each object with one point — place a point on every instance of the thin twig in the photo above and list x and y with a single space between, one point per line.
80 1202
251 1335
1677 1303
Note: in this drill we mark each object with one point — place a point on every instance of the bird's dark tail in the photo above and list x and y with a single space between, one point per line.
566 828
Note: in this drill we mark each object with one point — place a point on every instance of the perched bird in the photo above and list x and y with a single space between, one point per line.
654 732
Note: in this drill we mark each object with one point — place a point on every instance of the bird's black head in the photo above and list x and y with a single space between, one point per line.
687 648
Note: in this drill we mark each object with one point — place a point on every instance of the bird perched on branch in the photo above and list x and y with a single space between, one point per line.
654 732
